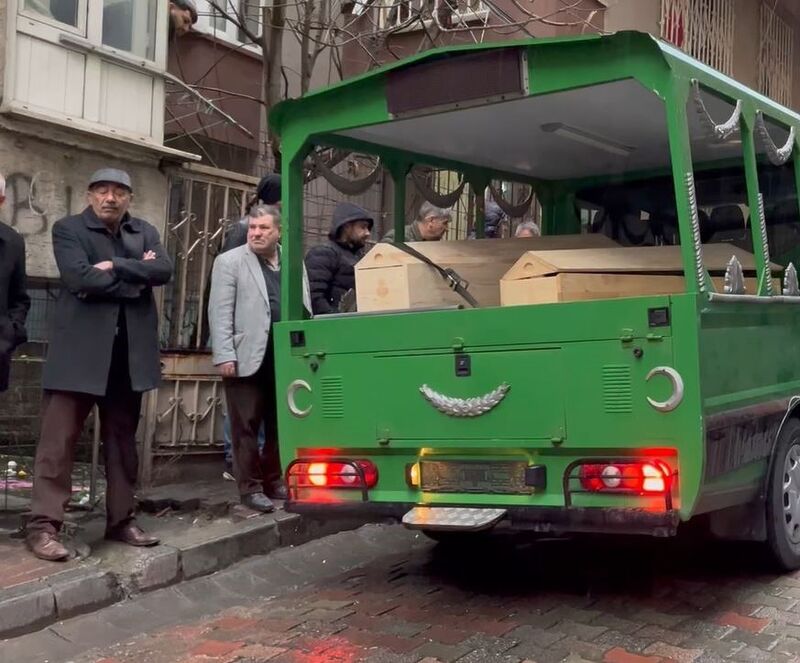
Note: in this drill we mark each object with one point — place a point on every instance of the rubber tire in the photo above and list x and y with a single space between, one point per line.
783 552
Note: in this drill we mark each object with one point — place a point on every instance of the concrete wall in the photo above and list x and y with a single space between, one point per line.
46 179
202 60
747 42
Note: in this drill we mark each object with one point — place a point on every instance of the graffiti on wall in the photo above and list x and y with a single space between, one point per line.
34 201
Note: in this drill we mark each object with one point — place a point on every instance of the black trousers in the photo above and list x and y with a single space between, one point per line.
251 401
64 414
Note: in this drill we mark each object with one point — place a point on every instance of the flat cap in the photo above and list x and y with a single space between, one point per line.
187 4
113 175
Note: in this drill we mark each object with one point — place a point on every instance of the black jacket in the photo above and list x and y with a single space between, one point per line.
330 266
14 300
87 311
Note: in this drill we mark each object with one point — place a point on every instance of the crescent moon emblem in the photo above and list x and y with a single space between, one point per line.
291 392
677 389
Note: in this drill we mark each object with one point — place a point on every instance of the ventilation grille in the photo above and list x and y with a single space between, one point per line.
617 390
332 398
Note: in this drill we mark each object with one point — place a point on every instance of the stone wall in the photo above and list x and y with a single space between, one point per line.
46 180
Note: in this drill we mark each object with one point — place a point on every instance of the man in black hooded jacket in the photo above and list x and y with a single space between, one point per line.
330 265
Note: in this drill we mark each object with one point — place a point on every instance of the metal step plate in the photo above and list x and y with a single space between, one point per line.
452 518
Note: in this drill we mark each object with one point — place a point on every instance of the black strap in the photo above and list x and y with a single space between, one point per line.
451 277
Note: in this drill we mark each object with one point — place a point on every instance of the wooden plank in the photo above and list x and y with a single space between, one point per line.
448 254
571 287
387 278
624 260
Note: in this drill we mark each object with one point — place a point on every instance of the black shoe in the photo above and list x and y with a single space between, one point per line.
277 490
258 502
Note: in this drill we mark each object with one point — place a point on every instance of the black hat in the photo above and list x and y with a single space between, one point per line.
269 189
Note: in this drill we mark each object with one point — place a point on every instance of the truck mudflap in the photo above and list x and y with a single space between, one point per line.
544 520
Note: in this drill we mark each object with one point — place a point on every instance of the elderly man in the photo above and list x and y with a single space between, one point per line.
182 16
527 229
331 266
431 225
104 351
14 300
245 301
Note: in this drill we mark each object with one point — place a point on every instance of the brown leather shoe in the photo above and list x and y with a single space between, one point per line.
133 536
45 545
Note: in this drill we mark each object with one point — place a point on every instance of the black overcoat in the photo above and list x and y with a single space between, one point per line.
14 300
88 307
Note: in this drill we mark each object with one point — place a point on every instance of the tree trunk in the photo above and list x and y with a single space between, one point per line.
274 22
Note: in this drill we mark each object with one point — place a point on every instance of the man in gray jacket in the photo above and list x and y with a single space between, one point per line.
244 302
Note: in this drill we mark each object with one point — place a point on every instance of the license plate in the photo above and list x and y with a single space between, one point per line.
486 477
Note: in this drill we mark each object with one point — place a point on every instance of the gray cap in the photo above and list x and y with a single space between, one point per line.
187 4
113 175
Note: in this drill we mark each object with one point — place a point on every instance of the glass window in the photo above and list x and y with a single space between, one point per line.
63 11
130 25
218 21
251 12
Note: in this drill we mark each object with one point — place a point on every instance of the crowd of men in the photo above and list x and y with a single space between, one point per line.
105 350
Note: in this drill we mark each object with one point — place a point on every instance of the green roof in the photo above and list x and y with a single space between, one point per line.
599 51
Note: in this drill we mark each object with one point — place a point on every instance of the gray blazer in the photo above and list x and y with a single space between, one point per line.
238 310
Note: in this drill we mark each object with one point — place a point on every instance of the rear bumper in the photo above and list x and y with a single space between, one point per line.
544 520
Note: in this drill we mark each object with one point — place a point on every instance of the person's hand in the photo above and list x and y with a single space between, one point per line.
228 369
104 266
149 255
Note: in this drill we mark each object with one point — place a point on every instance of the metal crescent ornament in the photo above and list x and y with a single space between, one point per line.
291 392
677 389
464 407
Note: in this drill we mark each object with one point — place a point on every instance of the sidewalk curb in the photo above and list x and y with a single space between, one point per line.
93 585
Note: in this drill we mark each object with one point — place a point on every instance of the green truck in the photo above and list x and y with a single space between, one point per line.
618 414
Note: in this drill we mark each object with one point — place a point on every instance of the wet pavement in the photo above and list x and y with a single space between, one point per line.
385 594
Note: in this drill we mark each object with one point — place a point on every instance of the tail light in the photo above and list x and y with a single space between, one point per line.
640 477
358 474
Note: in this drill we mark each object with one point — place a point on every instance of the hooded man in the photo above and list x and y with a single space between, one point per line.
330 266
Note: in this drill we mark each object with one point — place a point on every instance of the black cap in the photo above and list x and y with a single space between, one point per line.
269 189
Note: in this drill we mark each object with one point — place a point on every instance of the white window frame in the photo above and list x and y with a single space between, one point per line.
90 21
59 27
476 12
89 43
230 35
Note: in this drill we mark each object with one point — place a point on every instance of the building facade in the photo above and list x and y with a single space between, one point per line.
81 87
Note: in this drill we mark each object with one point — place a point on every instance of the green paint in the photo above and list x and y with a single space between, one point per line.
577 370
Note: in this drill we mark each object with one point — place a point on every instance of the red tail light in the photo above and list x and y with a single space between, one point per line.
333 474
644 477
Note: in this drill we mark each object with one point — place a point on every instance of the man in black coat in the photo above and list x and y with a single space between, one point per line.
103 350
14 300
330 266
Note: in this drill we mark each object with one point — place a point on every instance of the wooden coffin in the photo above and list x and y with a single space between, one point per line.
540 277
389 279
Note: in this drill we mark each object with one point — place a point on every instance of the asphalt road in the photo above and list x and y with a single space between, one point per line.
385 594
